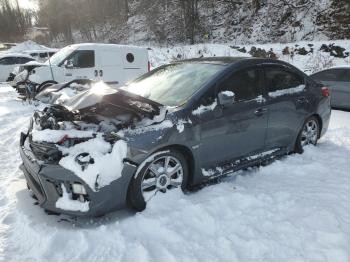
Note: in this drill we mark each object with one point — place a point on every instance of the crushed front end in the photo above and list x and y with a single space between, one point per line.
75 162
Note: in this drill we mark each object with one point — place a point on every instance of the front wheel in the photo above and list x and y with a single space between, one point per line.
165 171
308 135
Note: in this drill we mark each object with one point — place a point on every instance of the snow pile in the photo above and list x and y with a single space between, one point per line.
25 46
54 136
107 163
66 203
288 91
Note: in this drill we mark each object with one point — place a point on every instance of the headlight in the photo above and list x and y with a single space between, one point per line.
78 189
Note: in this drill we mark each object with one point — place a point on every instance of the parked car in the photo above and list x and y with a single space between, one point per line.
41 55
113 64
175 127
338 80
8 61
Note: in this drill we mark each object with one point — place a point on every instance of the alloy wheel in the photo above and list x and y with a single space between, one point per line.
163 174
309 134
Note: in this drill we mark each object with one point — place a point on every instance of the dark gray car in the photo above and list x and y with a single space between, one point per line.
175 127
338 80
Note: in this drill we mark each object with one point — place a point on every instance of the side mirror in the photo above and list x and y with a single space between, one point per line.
68 64
226 98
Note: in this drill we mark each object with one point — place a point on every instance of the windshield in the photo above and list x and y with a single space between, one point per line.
173 85
57 58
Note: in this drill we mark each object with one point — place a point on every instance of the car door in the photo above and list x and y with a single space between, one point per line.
237 130
110 66
80 65
7 64
287 104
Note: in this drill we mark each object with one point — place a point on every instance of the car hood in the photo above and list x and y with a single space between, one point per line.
101 94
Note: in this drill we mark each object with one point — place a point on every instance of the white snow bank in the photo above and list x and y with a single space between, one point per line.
54 136
66 203
108 161
288 91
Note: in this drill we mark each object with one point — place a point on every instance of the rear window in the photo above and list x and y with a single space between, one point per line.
333 75
278 79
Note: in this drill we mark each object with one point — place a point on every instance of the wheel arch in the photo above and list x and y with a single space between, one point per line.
320 122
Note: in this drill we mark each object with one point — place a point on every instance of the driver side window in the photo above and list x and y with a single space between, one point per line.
82 59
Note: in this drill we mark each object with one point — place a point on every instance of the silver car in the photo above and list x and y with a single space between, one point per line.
338 80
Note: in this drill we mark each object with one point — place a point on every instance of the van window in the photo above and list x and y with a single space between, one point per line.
130 57
83 58
244 84
281 79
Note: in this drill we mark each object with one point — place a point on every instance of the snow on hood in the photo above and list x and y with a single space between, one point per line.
107 163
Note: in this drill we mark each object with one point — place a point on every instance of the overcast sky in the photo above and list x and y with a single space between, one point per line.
27 3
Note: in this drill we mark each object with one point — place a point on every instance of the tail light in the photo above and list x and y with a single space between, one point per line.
149 66
325 92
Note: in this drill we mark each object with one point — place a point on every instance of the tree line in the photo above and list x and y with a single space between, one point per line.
179 21
14 21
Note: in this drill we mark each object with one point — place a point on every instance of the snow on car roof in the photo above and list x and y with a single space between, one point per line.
7 54
341 67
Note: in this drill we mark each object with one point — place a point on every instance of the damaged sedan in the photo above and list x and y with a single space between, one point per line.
172 128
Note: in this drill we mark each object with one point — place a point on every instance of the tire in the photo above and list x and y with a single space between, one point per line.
140 192
308 135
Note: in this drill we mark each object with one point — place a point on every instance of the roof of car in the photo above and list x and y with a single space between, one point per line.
341 67
227 60
216 60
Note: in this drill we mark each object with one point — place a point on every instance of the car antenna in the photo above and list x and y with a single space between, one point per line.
53 78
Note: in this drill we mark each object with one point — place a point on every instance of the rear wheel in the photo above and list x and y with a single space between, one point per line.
165 171
308 135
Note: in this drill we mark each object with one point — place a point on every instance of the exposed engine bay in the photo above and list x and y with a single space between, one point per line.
58 126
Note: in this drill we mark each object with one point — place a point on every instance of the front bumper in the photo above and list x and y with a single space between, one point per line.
46 180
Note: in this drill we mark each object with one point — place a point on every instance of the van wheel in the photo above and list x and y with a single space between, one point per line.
308 135
165 171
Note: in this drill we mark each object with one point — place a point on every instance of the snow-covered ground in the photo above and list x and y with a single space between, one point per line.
296 209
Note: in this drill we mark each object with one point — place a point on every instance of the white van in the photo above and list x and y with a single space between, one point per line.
113 64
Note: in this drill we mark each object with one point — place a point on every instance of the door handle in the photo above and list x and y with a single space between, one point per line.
260 111
302 99
96 73
101 73
68 74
